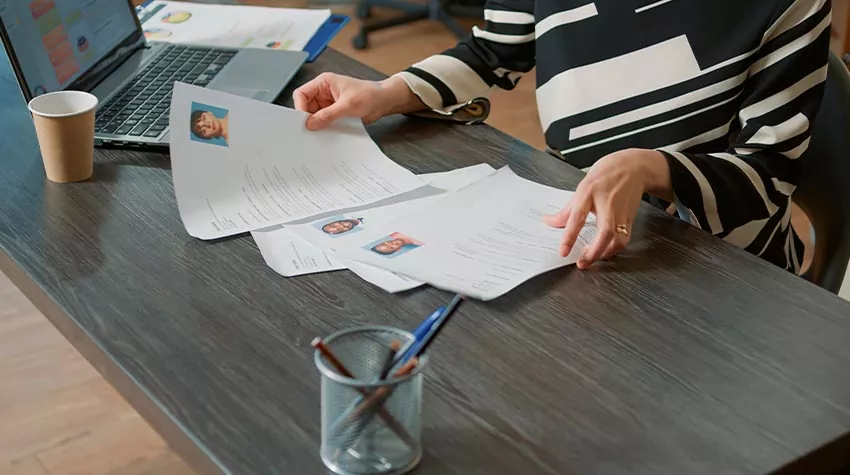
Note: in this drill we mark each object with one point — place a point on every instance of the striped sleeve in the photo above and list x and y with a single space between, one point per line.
743 194
493 57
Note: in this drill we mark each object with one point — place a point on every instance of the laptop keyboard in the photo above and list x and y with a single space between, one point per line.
141 107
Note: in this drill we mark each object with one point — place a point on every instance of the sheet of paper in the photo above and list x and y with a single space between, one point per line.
331 231
239 165
389 281
289 252
481 249
231 25
290 256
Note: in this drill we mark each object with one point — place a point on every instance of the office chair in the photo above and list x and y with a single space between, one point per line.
824 191
435 10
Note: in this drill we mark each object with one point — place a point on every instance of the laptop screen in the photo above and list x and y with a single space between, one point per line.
56 41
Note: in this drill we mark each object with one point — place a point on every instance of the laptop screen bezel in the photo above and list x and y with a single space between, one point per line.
96 72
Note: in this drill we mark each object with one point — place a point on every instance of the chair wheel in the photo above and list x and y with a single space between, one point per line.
363 11
360 41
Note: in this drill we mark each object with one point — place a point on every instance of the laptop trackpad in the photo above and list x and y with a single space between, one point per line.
258 94
259 74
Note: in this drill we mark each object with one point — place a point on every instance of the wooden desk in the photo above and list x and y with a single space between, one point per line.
685 355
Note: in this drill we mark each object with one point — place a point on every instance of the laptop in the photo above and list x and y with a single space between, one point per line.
99 46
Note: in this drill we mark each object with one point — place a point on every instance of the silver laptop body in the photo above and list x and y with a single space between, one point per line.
132 79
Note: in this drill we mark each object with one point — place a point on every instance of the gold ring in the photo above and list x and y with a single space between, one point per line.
622 229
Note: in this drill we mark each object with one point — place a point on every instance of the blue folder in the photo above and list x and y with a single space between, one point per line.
323 36
317 44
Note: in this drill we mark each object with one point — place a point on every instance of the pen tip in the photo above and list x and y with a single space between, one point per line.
316 342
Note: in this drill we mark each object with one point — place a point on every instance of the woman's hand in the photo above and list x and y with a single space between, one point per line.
612 190
330 97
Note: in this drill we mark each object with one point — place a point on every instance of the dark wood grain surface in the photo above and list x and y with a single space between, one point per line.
683 356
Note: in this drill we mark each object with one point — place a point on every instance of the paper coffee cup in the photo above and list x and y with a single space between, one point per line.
64 124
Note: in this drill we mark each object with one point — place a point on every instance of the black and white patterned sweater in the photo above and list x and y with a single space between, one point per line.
725 88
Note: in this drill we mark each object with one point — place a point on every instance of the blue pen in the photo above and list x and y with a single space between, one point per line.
422 344
418 335
420 332
428 331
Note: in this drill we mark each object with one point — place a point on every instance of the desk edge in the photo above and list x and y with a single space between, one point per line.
178 439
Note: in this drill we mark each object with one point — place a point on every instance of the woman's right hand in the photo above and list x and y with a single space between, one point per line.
330 97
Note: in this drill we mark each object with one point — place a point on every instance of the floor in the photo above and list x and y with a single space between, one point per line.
58 416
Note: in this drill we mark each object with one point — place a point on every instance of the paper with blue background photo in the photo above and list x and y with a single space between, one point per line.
251 184
219 112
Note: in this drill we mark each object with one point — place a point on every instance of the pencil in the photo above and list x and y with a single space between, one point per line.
393 424
320 345
385 370
381 393
388 364
380 396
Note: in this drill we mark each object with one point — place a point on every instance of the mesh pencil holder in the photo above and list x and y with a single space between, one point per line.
369 425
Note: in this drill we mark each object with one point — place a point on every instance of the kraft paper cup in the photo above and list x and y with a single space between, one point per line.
64 124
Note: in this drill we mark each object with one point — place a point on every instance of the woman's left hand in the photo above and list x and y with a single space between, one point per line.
612 190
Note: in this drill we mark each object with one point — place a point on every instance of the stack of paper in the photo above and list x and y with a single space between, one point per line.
231 25
495 241
318 201
310 247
